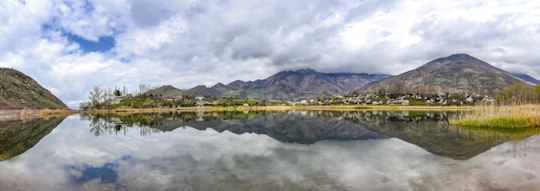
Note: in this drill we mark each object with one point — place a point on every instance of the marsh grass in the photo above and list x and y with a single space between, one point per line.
50 113
513 117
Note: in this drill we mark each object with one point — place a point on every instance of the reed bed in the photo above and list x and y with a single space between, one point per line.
513 117
50 113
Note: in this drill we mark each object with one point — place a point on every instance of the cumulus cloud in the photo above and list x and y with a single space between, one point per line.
190 42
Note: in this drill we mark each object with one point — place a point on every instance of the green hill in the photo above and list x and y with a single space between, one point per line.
19 91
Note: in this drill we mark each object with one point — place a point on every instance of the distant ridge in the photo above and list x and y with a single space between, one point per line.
457 74
297 84
526 78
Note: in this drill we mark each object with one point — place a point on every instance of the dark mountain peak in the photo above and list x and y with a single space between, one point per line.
303 71
218 85
457 73
306 71
460 56
457 58
166 91
200 86
237 84
167 87
222 87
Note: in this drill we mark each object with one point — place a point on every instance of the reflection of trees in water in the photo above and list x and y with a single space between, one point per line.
429 130
301 127
110 124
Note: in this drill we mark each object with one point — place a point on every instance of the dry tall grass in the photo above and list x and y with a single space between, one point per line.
49 113
513 116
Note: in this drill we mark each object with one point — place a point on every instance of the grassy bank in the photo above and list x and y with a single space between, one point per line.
518 116
48 113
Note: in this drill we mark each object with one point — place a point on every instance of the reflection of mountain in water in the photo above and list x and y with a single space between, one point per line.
291 127
428 130
432 132
284 127
16 137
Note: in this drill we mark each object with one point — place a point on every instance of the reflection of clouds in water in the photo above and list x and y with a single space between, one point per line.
189 159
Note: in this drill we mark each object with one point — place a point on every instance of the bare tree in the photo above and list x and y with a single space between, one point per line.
107 97
143 88
124 91
96 97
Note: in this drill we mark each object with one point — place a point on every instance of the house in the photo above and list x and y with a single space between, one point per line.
405 102
200 101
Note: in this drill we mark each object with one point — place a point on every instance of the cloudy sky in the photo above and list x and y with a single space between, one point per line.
71 46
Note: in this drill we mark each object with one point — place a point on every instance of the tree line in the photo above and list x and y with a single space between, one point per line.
518 94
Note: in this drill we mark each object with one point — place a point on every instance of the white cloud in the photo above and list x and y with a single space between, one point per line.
90 19
204 42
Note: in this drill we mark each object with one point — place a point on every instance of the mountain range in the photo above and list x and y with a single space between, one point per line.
304 83
19 91
526 78
455 74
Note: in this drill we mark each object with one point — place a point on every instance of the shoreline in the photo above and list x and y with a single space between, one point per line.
285 108
476 115
6 114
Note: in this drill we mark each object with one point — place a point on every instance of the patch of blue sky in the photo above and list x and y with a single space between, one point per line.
104 43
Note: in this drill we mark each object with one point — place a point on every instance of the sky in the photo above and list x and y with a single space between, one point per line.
71 46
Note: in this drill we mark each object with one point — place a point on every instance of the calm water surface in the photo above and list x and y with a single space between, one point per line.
303 150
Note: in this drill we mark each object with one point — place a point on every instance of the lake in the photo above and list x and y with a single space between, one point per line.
289 150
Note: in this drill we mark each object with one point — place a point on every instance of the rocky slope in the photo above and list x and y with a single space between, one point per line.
19 91
457 74
305 83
